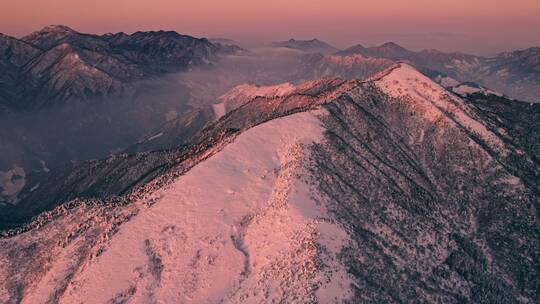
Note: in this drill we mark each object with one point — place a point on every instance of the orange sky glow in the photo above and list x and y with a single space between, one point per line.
479 26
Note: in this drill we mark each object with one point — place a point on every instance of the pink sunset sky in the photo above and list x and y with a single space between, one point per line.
477 26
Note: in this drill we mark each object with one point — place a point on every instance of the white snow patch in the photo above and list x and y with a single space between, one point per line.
155 136
44 166
36 186
171 115
447 81
252 91
219 110
466 89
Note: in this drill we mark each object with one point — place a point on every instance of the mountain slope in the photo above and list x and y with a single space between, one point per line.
388 190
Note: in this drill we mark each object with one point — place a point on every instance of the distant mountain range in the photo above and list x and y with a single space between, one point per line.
309 46
516 74
356 66
57 64
388 50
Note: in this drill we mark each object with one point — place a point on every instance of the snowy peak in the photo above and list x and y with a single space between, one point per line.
49 36
116 38
516 74
434 103
393 47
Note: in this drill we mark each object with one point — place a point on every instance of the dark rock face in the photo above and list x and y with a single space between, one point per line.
436 216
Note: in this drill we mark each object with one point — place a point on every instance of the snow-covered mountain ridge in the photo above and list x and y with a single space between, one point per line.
386 190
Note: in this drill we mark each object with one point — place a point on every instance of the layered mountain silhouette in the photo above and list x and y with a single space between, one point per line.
309 46
388 50
515 74
58 65
391 189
